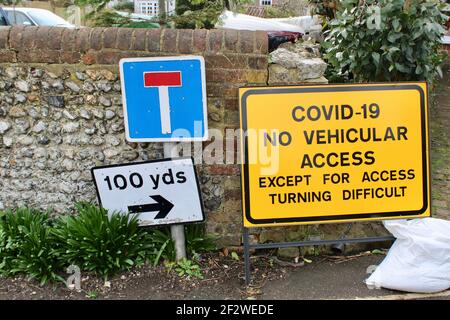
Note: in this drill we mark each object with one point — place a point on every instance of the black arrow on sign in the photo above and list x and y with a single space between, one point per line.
162 205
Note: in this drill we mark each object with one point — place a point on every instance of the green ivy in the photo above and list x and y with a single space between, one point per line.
386 40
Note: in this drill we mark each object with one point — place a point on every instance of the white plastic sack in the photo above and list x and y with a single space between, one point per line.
419 259
231 20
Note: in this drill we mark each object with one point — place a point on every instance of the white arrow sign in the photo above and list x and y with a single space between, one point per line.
162 191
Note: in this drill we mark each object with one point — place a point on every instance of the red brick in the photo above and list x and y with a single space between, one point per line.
54 38
15 37
222 169
246 41
185 41
28 40
262 42
231 40
110 37
169 40
258 63
153 40
124 38
83 39
41 56
233 194
68 39
231 104
4 37
111 57
200 40
96 41
139 39
89 58
226 61
70 57
215 39
42 36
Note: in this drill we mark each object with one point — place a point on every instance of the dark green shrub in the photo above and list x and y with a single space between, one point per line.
101 244
27 246
386 40
197 240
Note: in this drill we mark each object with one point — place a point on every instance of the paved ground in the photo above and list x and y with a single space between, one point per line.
324 279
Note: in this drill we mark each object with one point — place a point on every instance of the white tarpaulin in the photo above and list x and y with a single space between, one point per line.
231 20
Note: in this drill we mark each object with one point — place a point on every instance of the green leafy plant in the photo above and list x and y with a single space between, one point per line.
125 6
91 295
235 256
187 268
101 243
27 245
385 40
197 240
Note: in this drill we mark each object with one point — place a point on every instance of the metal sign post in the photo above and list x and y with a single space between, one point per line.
164 100
177 230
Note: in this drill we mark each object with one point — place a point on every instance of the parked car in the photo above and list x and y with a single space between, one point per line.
31 17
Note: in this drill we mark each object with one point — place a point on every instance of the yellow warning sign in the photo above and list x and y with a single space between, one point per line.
334 153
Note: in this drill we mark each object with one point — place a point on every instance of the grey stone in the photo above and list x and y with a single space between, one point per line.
4 126
70 127
69 115
105 101
111 153
90 130
284 57
21 126
58 86
98 114
130 155
113 141
85 114
109 114
20 98
25 140
279 75
56 101
103 85
37 73
11 72
80 75
44 140
7 141
22 85
88 87
72 86
39 127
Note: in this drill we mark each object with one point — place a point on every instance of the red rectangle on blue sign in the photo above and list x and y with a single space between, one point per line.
160 79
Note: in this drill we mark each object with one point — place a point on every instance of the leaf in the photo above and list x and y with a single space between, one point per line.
307 260
235 256
376 58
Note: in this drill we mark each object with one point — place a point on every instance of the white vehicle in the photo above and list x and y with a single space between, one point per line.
31 17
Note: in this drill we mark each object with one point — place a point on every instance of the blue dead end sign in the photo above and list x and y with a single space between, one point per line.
164 99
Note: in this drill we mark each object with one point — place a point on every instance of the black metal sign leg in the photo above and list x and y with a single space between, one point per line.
247 256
